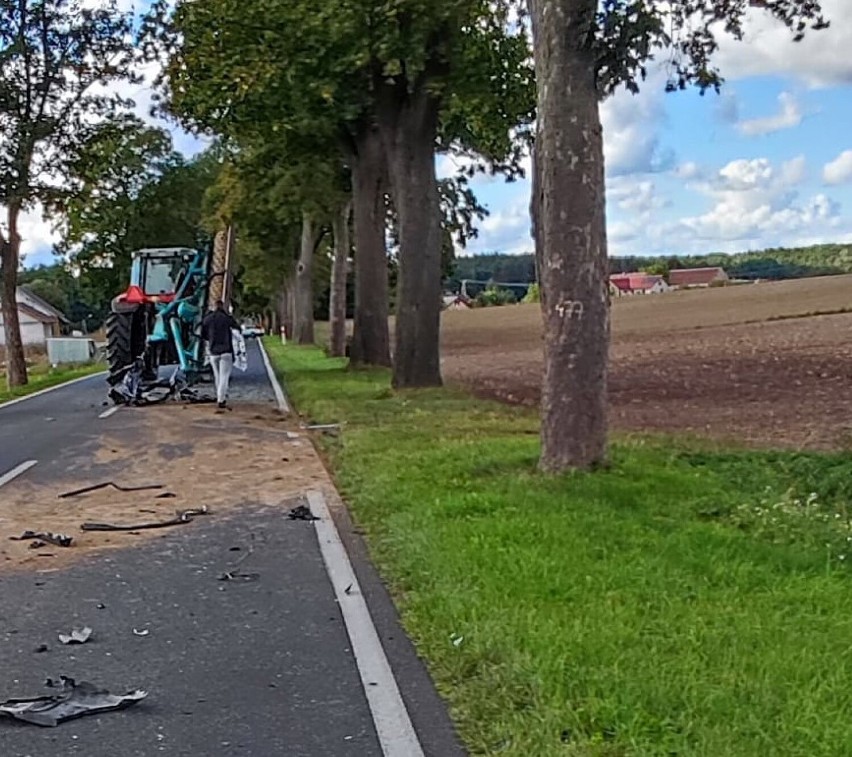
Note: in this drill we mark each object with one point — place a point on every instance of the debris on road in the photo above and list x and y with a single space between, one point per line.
41 648
105 484
77 636
141 632
166 495
181 516
331 429
302 512
58 540
37 544
73 701
236 575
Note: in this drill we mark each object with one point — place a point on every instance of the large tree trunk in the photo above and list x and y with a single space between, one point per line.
568 207
10 250
409 123
304 300
337 304
370 334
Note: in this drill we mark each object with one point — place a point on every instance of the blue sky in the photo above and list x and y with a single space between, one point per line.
766 163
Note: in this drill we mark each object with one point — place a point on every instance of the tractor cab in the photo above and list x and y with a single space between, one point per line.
157 275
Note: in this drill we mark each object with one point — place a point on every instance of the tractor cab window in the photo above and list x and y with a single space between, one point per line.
161 276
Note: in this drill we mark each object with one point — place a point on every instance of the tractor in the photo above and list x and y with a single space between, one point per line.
157 321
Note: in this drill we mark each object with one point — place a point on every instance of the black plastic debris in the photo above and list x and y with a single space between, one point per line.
73 701
77 636
302 512
181 517
41 649
166 495
58 540
105 484
37 544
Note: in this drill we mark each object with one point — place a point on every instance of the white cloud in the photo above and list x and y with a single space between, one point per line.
788 117
754 200
688 170
820 59
631 130
505 230
839 170
36 233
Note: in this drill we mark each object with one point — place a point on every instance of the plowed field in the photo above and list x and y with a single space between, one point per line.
766 364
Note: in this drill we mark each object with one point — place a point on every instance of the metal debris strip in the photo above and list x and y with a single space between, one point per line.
234 574
105 484
302 512
77 636
58 540
73 701
181 517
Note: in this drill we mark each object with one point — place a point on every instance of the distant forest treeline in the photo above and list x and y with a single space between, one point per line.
780 263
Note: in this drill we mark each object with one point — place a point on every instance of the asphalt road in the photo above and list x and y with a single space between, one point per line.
261 668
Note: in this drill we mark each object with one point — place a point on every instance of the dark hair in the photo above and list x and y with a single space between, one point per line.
220 305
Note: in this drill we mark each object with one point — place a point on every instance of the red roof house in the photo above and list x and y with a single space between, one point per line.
684 278
636 283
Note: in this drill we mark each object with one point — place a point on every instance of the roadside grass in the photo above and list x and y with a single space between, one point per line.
688 600
42 376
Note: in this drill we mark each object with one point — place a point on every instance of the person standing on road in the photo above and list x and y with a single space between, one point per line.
216 332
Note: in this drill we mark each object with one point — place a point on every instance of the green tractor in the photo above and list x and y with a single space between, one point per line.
157 321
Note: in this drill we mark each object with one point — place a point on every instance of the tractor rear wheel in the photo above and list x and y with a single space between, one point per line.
126 340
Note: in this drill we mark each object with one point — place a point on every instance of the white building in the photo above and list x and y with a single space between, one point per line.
39 320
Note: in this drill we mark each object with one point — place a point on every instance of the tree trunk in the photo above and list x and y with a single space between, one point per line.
10 250
409 124
304 300
570 233
370 335
284 301
337 304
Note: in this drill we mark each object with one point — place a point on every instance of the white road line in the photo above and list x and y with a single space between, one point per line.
9 403
16 471
393 725
280 398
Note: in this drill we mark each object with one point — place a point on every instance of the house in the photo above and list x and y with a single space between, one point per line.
688 278
39 320
621 284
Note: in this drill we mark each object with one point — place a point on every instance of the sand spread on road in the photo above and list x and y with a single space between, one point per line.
248 456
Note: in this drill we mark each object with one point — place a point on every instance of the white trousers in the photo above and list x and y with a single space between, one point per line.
222 366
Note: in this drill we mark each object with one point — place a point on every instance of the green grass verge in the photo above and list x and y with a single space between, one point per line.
44 377
689 600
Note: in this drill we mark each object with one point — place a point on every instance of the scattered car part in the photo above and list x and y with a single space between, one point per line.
105 484
77 636
236 575
302 512
73 701
143 632
181 516
58 540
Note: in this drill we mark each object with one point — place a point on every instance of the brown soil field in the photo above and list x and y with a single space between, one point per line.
765 364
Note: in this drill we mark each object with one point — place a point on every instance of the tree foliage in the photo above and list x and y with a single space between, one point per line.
59 60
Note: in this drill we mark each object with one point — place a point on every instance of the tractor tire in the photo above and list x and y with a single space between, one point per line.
126 339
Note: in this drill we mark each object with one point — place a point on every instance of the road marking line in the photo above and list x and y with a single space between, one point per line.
393 725
17 471
9 403
107 413
280 397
